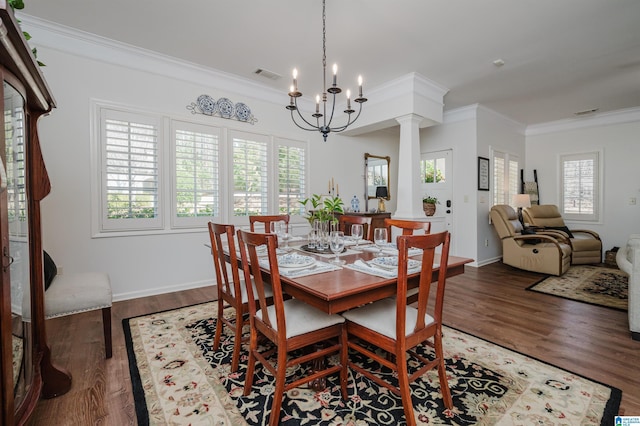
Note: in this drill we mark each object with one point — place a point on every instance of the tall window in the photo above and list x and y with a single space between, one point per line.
197 174
250 180
580 186
292 176
130 163
505 177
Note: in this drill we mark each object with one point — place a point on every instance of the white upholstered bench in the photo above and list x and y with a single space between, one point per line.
81 292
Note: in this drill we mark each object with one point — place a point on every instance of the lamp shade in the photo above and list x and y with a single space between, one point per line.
521 201
382 192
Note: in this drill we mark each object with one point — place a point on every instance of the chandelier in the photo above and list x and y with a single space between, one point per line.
324 125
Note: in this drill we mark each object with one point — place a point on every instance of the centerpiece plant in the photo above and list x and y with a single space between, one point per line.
323 208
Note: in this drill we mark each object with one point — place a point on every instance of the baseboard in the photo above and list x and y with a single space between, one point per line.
162 290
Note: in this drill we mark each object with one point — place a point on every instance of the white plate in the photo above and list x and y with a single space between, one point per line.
391 262
294 261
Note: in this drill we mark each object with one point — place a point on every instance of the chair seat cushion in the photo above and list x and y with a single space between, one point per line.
301 318
380 317
80 292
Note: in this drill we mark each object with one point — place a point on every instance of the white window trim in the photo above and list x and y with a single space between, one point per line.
597 217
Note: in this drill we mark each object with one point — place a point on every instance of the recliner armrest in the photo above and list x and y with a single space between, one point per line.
586 231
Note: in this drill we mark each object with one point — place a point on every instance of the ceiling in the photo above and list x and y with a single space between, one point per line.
560 57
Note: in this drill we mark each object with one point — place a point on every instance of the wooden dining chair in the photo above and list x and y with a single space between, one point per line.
406 226
345 221
231 288
390 324
266 220
290 324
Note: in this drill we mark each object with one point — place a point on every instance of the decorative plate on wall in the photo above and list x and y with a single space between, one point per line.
223 108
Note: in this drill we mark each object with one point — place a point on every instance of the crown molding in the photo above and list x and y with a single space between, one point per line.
621 116
80 43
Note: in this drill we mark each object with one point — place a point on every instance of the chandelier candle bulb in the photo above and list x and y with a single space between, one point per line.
335 74
360 84
317 104
295 80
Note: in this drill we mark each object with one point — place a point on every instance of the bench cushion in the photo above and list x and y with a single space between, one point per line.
78 292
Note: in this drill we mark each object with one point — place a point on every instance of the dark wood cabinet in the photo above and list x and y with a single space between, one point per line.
26 371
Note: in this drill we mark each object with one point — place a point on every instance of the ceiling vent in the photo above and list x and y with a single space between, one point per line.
267 74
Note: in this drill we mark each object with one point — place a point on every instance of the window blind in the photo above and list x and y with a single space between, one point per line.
250 183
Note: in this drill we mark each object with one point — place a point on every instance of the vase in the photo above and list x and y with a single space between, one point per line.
429 208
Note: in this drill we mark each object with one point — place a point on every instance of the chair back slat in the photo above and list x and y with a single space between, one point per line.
248 242
218 234
428 243
346 221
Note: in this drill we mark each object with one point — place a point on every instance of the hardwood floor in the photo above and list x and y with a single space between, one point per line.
488 302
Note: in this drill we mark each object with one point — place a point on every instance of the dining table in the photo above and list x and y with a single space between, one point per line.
338 288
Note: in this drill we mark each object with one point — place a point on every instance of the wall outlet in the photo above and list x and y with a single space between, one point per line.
486 243
60 270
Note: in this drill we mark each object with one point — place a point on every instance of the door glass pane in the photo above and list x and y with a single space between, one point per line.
17 212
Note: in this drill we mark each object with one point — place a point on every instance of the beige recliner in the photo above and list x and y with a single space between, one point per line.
586 246
541 252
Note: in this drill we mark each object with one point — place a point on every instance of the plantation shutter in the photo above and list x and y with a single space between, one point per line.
505 177
196 189
250 179
292 176
130 171
579 186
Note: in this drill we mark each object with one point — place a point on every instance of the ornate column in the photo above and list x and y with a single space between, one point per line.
409 205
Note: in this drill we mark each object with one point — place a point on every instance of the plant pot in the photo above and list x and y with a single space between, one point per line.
429 208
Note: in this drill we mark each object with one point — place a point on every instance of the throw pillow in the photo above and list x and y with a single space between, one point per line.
50 270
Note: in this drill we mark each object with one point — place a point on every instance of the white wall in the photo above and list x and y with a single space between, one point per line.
144 265
621 150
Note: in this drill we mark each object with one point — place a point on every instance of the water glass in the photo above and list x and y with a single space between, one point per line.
357 231
380 238
336 243
312 239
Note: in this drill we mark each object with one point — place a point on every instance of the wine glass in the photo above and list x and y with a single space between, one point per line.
380 238
336 243
357 231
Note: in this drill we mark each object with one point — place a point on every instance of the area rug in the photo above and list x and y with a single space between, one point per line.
179 380
597 285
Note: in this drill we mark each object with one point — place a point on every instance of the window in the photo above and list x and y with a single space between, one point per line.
130 164
505 177
250 179
580 186
148 167
292 176
196 189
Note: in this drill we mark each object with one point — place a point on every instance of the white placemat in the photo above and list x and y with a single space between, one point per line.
316 268
362 266
391 250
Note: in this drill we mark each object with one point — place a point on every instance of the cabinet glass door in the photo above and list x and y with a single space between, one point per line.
16 256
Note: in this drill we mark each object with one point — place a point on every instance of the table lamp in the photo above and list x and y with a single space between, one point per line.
519 201
381 194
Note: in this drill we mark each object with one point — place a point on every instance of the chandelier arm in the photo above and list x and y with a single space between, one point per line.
312 127
342 128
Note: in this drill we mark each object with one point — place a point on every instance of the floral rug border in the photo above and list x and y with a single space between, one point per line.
232 416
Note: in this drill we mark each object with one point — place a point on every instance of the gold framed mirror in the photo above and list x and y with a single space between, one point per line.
376 175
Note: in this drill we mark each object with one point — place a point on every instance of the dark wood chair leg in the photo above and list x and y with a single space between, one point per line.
106 325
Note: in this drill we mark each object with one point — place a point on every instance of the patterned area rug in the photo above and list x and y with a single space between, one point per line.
179 380
597 285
